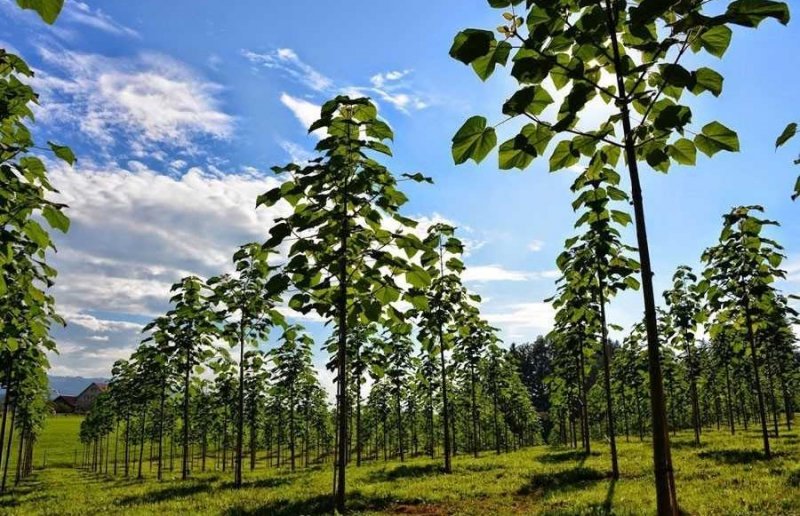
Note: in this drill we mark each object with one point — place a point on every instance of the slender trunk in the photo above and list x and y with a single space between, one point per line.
237 480
6 401
8 448
291 427
693 393
607 374
116 446
161 426
474 409
399 424
494 417
186 384
728 398
666 496
448 468
141 441
127 441
760 394
341 359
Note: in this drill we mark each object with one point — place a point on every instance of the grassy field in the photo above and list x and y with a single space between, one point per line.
727 475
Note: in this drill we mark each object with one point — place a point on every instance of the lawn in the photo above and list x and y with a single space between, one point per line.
727 475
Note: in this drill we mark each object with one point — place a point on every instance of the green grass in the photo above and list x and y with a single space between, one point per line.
727 475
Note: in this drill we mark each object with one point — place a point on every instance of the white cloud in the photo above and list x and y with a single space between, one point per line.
81 13
523 319
536 246
486 273
297 153
151 101
306 112
379 80
134 233
287 60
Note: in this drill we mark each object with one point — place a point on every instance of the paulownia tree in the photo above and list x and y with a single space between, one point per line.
738 285
628 55
342 257
247 301
684 303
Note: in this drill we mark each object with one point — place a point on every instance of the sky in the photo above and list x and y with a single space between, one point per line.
177 110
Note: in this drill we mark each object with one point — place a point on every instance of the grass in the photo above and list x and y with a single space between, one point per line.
727 475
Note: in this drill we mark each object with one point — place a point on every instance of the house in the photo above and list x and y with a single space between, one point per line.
84 400
65 404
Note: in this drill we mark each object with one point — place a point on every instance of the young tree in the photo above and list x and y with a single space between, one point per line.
740 271
685 313
247 309
628 56
341 260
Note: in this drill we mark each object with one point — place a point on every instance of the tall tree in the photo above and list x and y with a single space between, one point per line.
341 259
247 302
629 57
739 276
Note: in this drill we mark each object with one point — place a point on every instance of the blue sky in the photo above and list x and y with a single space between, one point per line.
177 110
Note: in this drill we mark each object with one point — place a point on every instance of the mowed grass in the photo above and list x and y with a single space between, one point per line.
727 475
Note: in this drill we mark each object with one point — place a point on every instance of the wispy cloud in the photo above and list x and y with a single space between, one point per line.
388 87
486 273
287 61
535 246
81 13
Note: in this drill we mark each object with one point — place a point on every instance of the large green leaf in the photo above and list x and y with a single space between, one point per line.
519 152
716 137
716 40
563 156
750 13
62 152
683 151
47 9
56 218
788 133
531 99
707 79
473 141
498 55
470 44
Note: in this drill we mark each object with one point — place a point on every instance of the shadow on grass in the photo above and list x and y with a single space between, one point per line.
162 495
736 456
561 480
404 471
321 504
566 456
260 483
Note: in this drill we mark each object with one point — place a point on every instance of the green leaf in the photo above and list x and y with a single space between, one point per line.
47 9
788 133
36 233
716 137
683 151
418 277
56 218
716 40
470 44
707 79
531 99
498 54
563 156
473 141
750 13
519 152
62 152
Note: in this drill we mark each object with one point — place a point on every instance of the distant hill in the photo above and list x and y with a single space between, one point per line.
70 385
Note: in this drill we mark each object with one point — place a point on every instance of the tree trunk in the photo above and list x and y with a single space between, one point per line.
760 394
607 370
186 384
667 503
237 475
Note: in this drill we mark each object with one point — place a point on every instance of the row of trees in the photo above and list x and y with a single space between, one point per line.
402 322
26 215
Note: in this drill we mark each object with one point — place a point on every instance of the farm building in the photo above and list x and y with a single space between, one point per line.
81 403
